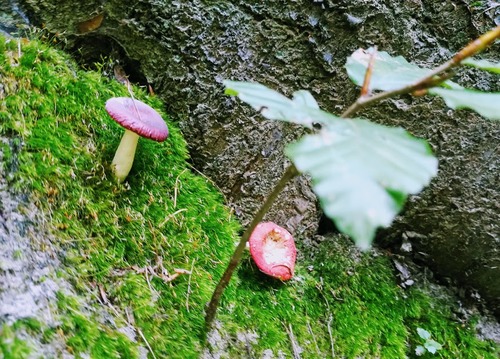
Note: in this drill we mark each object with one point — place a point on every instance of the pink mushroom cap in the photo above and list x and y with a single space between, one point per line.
273 250
136 116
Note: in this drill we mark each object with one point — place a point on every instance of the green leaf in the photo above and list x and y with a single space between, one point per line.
432 346
389 73
483 65
273 105
420 350
424 334
304 98
362 173
484 103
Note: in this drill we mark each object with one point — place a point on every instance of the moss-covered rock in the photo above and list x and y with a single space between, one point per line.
185 50
136 262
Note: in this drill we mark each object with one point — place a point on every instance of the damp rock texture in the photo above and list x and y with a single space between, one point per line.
32 275
27 265
185 49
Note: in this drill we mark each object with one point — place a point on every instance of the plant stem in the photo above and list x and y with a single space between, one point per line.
289 173
435 77
365 90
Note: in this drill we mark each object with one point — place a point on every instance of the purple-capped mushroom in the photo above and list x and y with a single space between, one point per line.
139 120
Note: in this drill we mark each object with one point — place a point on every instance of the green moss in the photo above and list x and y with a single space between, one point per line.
84 335
128 242
11 347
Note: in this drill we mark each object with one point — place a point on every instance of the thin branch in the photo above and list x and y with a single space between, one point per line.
188 292
131 321
289 173
146 341
328 325
477 45
295 346
309 329
435 77
365 90
122 77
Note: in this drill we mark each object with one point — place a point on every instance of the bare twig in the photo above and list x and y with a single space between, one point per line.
102 293
328 325
171 215
145 341
309 329
151 289
295 346
289 173
158 270
122 77
435 77
176 187
188 292
131 321
19 49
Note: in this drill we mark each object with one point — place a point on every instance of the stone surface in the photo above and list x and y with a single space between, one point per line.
185 49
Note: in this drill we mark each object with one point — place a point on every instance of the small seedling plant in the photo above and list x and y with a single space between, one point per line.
362 172
430 345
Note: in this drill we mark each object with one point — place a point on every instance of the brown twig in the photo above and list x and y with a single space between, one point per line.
435 77
477 45
289 173
158 271
365 90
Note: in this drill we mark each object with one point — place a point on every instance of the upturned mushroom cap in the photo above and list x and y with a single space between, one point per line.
136 116
273 250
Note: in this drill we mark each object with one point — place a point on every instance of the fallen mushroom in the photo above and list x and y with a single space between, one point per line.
273 250
138 119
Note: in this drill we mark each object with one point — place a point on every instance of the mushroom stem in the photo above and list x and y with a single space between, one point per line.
124 156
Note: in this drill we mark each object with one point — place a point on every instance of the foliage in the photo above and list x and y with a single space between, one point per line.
390 73
429 345
363 172
483 65
348 160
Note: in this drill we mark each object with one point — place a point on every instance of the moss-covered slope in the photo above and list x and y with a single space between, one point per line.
149 252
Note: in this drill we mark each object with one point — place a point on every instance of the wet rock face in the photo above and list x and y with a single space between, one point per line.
27 262
185 50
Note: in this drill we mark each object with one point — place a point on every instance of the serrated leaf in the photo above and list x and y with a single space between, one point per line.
273 105
362 172
483 65
424 334
484 103
389 73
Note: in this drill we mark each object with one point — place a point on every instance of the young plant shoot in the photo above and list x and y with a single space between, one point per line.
362 172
